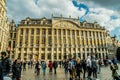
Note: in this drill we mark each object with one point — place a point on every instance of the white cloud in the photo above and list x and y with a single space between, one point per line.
20 9
103 17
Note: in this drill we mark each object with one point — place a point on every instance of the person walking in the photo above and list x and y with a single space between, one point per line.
44 67
94 68
6 64
84 66
1 77
50 65
16 70
55 65
114 68
66 67
78 68
24 65
37 68
89 67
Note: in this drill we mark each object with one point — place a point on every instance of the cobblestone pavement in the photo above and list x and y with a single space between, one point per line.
30 75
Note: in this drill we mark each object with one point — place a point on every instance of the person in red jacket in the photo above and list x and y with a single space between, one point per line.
50 65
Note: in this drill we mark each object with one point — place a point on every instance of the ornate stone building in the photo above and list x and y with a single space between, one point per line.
112 45
59 38
4 28
12 38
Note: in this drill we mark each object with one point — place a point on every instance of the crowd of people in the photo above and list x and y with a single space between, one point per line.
78 69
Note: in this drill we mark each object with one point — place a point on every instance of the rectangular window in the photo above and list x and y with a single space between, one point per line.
14 35
85 33
25 49
69 40
43 40
11 35
38 31
68 32
49 40
81 33
31 49
55 57
64 49
63 31
90 33
43 32
55 31
13 44
21 31
73 32
32 40
49 31
59 55
64 40
9 43
49 49
49 55
59 31
77 33
37 40
27 31
59 49
19 49
32 31
43 55
43 49
55 39
37 49
55 49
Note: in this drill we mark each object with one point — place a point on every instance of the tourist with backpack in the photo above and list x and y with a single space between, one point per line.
84 65
37 68
89 67
43 65
94 68
71 68
114 68
78 68
55 65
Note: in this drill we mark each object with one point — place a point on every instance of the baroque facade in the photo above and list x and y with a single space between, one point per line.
59 38
12 38
112 45
4 28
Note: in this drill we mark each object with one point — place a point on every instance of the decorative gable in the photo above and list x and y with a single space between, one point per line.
65 24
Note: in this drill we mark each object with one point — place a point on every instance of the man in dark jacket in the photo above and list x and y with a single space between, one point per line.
55 65
16 69
1 77
6 66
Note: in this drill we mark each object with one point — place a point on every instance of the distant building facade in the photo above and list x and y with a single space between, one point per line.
112 45
12 38
59 38
4 28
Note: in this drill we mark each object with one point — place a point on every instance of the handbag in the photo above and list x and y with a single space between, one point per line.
7 78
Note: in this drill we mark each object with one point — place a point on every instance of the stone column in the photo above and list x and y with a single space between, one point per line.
46 46
62 54
40 41
52 54
57 52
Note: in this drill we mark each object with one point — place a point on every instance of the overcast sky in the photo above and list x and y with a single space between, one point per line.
105 12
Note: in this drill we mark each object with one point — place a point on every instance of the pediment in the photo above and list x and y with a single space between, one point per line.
65 24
